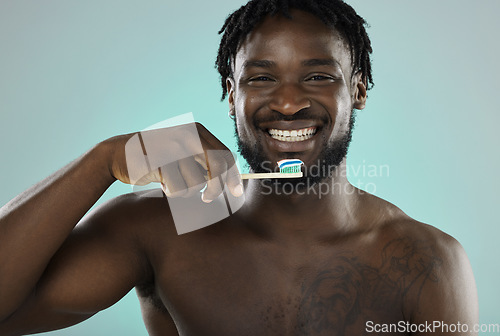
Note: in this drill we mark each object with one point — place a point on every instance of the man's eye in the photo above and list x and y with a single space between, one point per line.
319 78
260 79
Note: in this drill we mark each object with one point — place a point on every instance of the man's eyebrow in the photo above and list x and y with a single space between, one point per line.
307 63
321 62
258 64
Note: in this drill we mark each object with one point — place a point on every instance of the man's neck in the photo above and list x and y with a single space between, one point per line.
302 215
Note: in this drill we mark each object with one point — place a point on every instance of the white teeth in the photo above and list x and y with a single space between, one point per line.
292 135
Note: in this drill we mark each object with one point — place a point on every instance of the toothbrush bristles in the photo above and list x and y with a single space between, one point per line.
290 166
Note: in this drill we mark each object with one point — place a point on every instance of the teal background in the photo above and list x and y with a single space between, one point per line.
73 73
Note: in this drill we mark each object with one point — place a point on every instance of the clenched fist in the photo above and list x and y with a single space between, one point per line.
184 159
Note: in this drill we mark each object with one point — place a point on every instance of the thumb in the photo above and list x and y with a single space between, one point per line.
233 181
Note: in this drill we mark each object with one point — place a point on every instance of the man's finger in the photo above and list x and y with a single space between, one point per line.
172 178
233 177
194 176
217 169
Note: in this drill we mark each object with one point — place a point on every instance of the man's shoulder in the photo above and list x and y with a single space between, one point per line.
145 199
419 237
434 263
137 213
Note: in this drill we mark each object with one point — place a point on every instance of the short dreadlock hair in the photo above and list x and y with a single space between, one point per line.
334 13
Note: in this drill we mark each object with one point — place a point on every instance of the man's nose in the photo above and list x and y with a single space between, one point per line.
289 99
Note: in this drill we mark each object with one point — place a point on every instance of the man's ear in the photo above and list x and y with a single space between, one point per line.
359 93
230 95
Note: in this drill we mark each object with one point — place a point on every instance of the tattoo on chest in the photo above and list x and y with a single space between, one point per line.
354 291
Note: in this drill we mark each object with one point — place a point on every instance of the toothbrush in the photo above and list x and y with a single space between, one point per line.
289 168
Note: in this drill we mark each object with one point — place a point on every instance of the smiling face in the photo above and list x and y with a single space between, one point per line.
292 91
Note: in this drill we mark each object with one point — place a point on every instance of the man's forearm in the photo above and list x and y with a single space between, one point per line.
35 224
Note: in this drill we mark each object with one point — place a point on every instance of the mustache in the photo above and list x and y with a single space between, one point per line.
305 114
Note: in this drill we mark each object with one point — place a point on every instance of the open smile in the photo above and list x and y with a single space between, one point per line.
292 135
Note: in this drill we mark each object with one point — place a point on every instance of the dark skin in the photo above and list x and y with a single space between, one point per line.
281 265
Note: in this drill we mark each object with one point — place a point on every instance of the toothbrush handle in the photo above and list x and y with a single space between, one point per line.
270 175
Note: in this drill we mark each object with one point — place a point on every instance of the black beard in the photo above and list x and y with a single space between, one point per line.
330 158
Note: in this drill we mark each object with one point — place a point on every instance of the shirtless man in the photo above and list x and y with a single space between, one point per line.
284 264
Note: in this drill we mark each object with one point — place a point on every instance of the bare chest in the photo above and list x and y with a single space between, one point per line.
239 293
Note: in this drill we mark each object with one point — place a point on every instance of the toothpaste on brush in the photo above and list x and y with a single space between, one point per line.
289 168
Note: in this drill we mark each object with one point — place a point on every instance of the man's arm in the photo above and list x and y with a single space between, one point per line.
55 276
96 266
34 225
448 301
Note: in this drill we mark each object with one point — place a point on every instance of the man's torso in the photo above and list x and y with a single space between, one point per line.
228 280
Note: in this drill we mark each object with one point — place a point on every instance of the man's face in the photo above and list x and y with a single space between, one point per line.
293 77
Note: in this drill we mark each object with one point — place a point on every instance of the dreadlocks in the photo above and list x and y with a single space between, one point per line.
333 13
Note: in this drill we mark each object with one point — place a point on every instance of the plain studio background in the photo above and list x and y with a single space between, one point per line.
75 73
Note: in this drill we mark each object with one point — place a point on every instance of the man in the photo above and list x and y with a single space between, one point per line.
285 263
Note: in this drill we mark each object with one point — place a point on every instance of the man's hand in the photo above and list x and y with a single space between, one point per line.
184 159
